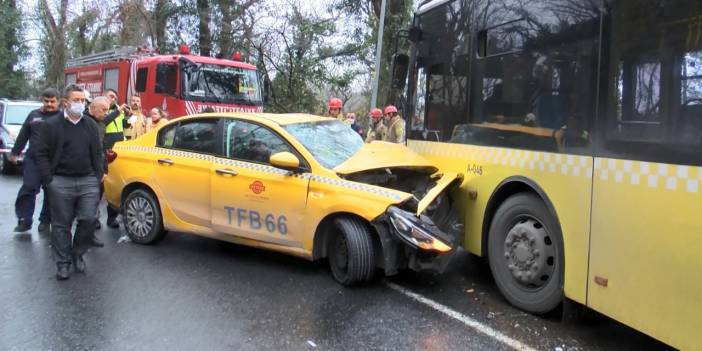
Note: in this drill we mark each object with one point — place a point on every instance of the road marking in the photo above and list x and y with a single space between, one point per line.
470 322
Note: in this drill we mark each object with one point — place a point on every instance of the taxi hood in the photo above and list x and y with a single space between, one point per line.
397 167
384 155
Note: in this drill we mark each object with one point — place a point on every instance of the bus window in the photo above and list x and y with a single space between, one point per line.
442 72
533 77
654 106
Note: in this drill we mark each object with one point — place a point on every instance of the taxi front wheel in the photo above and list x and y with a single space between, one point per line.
351 254
142 217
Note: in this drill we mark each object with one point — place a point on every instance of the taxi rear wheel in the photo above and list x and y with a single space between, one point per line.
351 254
142 217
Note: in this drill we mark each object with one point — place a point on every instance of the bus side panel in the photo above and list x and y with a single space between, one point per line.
645 248
566 180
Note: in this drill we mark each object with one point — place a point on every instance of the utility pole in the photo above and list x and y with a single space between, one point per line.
378 53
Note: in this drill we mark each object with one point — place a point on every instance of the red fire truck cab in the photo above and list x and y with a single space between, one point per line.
181 84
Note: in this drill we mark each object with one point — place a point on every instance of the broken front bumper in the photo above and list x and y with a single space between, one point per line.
417 243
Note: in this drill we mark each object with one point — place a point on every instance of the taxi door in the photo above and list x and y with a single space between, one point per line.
250 198
182 170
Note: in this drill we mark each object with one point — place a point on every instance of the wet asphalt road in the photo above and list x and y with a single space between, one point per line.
191 293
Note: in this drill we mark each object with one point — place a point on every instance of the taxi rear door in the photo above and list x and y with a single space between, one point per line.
182 171
250 198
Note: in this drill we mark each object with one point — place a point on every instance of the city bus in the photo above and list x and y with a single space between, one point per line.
578 126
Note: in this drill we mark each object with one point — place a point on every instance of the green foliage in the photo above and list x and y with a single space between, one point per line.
13 81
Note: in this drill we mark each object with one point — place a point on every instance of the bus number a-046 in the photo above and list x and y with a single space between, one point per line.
475 169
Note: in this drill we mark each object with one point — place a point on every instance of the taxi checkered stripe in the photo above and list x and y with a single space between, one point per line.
357 186
266 169
639 173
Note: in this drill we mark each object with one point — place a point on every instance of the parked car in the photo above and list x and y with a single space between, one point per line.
300 184
12 116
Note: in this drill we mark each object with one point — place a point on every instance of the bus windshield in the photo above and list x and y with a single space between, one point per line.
222 84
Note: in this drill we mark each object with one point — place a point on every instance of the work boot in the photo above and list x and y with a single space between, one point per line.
44 227
79 264
23 226
63 271
112 223
96 242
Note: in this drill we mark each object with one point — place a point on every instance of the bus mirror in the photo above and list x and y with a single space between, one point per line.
400 63
414 34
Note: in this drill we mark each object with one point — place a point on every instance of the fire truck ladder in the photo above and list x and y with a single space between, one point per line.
125 52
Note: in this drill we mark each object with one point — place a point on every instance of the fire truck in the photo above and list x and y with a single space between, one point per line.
181 84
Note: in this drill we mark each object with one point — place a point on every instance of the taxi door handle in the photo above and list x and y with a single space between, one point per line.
165 161
226 172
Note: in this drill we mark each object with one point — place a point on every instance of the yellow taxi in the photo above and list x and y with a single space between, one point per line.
299 184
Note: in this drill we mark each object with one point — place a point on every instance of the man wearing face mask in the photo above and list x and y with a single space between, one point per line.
70 161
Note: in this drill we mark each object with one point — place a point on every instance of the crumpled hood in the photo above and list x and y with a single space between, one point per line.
380 154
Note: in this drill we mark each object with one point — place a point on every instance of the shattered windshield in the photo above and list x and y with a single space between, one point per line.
223 84
330 142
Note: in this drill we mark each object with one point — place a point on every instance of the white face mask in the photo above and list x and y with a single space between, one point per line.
76 109
148 119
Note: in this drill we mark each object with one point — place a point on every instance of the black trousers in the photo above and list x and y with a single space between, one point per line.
26 197
111 213
72 198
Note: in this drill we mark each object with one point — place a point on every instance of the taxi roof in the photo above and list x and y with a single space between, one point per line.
277 118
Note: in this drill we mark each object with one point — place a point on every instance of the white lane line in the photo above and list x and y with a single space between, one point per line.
470 322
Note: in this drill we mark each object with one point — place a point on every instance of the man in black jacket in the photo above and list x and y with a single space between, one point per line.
31 182
70 162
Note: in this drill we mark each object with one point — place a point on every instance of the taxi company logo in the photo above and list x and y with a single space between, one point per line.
257 187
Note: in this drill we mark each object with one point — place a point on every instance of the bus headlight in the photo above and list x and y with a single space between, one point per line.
415 232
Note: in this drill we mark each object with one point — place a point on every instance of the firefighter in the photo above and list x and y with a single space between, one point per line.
335 106
137 121
114 132
395 125
377 129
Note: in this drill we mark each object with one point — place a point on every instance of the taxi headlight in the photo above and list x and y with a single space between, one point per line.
409 228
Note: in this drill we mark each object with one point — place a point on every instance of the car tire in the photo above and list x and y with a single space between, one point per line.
141 216
351 252
7 167
525 252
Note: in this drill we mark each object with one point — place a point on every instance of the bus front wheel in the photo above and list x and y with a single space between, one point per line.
525 251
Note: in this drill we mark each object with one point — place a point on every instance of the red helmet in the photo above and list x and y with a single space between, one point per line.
390 109
376 113
335 103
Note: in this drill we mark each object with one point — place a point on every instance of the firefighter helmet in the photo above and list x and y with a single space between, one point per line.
390 109
335 103
376 113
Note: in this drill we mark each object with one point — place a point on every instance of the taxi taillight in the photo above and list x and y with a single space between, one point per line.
111 156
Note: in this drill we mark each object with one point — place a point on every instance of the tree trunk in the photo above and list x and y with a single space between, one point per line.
226 34
205 37
55 43
160 20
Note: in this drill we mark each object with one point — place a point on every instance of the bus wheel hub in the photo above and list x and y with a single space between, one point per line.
529 253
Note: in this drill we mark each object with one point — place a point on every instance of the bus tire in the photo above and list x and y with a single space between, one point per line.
525 252
351 252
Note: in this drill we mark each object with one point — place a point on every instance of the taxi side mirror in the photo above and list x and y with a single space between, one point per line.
285 160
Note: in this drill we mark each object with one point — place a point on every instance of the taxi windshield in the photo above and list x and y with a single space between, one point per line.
330 142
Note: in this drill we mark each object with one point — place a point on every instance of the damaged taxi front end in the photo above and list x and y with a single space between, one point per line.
423 231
